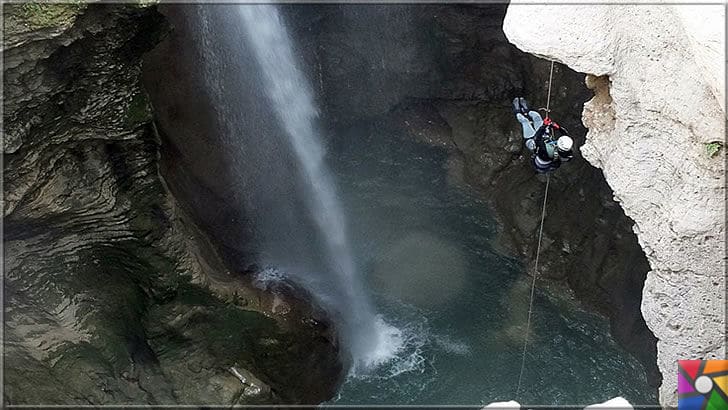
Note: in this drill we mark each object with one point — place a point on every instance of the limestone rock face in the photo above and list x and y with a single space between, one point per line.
654 124
616 403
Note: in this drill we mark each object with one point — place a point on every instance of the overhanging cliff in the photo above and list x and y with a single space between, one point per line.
656 129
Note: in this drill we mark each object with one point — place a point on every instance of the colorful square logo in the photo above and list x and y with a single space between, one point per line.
702 384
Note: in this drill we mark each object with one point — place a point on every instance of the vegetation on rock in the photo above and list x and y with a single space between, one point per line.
713 148
41 15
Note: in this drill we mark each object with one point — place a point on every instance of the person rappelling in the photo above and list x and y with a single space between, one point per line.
540 137
549 151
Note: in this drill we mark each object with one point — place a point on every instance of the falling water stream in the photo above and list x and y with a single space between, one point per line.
368 338
400 255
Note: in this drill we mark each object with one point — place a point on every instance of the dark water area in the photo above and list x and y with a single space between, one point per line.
425 249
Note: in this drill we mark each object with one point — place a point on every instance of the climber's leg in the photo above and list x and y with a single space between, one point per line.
528 129
536 118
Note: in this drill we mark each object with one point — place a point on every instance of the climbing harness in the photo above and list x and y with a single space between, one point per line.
538 247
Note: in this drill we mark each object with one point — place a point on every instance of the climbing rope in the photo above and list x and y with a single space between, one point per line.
533 285
548 96
538 251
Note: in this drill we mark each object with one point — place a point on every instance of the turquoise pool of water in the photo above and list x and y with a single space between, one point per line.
425 248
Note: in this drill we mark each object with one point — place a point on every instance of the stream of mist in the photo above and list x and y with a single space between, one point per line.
337 284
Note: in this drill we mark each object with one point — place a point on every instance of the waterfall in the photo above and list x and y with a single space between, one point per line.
368 339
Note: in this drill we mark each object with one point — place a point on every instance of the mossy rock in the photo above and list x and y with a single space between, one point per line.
139 110
43 15
713 148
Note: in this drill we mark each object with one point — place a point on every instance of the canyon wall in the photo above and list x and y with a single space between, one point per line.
656 129
112 294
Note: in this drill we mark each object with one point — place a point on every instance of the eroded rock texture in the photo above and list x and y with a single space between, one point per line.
111 296
656 129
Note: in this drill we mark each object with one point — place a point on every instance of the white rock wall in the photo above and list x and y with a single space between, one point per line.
617 403
648 130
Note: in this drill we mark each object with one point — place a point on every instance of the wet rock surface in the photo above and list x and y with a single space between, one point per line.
112 294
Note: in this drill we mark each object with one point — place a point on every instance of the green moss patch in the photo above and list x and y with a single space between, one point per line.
713 148
139 110
42 15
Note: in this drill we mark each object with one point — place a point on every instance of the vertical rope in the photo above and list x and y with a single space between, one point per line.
533 285
538 250
548 96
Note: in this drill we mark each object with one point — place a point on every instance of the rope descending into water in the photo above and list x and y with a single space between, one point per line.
538 251
533 285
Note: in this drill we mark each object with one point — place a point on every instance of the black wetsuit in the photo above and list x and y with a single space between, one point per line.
542 162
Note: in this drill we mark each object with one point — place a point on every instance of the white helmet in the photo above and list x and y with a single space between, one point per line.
564 143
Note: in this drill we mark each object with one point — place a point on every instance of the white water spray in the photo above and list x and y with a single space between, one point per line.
369 339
